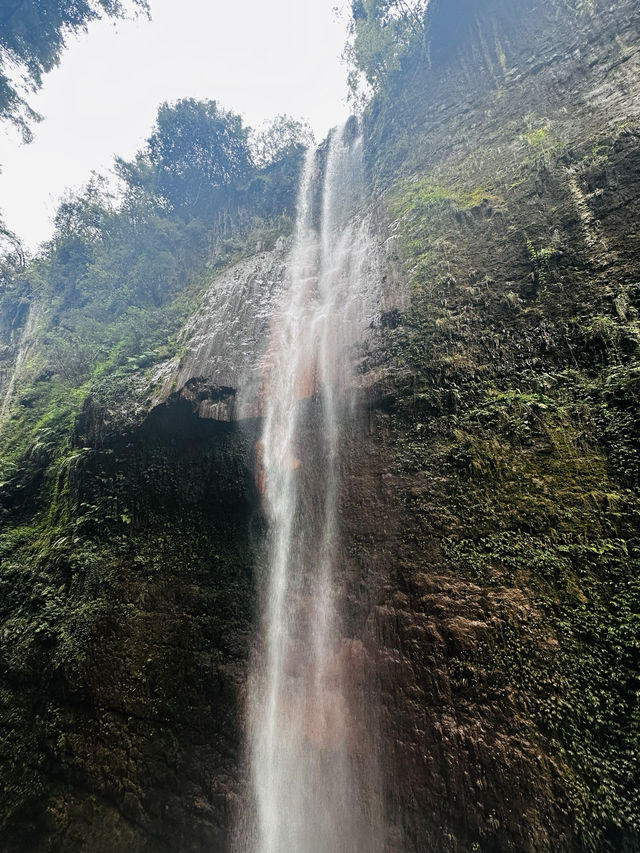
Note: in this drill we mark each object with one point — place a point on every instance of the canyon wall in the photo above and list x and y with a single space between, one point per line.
490 500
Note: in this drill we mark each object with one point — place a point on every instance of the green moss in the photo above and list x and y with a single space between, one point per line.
572 660
127 534
517 475
416 198
537 136
531 496
524 429
38 427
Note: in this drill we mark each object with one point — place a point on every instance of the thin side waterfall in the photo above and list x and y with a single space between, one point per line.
27 341
313 774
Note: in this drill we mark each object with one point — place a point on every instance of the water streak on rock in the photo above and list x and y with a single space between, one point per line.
27 342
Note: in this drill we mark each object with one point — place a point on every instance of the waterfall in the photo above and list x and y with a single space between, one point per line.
312 767
27 341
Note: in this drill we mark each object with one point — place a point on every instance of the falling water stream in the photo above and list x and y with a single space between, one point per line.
313 783
27 341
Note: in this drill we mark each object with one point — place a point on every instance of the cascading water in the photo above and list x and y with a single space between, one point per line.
27 341
312 769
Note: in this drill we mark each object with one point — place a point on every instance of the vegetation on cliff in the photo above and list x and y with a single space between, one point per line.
521 348
120 275
97 311
515 426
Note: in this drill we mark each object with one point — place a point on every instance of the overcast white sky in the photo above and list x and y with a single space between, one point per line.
257 57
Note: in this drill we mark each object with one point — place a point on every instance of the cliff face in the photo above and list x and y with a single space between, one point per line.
490 500
510 619
509 664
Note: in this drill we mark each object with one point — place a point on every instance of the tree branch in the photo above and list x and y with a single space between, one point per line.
411 13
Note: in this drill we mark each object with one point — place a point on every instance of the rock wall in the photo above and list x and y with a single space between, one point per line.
122 731
499 450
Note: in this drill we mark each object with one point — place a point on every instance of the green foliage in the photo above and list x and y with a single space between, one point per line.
537 136
619 421
540 258
417 204
382 33
574 660
120 277
37 431
517 431
520 477
111 291
203 165
33 34
542 140
197 152
11 254
122 274
279 139
416 198
107 535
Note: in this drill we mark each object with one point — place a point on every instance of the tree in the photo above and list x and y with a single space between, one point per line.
382 32
279 139
11 251
85 214
196 149
33 34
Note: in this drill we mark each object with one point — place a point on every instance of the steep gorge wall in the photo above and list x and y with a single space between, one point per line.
490 503
124 645
506 422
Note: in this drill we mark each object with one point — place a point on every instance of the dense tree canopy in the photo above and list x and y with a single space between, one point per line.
33 34
278 139
199 156
193 177
382 31
195 150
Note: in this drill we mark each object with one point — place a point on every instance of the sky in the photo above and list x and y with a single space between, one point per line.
259 58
